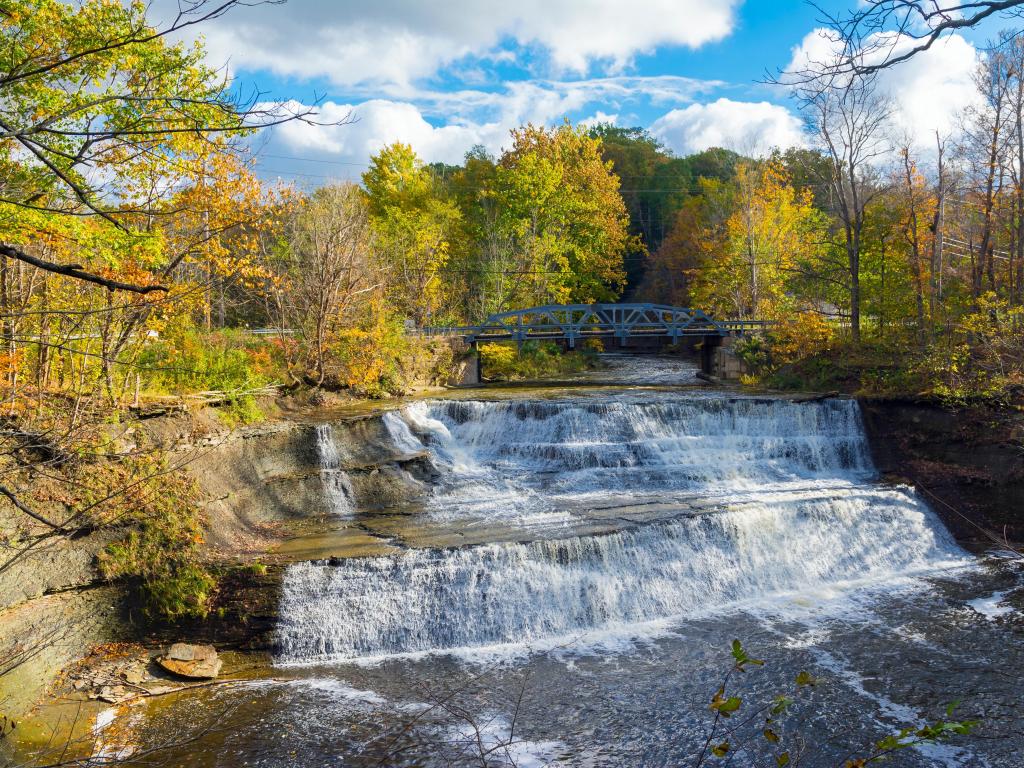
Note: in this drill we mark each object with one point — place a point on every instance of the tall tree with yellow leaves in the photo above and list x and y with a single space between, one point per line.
771 231
413 226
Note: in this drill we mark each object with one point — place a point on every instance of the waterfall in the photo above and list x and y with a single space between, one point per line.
516 459
795 510
401 435
337 487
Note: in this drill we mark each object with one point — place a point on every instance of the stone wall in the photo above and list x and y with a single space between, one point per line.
725 364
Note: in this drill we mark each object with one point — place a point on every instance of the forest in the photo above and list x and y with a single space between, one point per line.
145 265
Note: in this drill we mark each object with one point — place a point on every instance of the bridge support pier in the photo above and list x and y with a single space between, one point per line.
718 359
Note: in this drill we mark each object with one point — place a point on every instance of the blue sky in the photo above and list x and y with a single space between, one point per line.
446 76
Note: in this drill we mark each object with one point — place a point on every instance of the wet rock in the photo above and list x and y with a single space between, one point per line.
192 661
114 694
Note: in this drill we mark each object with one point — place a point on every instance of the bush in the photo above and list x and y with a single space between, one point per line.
378 358
224 361
159 554
536 360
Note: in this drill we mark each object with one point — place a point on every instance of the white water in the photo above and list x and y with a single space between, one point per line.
797 515
336 484
528 458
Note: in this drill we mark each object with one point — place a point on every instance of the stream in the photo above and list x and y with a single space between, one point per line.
622 538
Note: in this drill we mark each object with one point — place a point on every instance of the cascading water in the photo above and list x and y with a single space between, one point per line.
336 484
787 505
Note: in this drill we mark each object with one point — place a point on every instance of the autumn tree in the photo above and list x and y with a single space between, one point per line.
987 131
560 201
698 236
413 226
106 125
484 258
848 117
326 264
917 210
96 103
771 229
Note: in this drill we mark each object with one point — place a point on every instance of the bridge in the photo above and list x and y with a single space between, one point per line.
575 322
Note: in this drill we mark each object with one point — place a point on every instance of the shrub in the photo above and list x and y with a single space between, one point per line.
225 361
535 360
159 553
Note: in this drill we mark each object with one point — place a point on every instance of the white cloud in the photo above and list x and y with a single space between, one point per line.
599 118
927 91
393 43
375 124
751 128
442 126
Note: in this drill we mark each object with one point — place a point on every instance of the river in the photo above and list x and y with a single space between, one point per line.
617 540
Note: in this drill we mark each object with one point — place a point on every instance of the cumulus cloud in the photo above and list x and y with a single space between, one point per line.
441 126
393 43
362 130
927 91
751 128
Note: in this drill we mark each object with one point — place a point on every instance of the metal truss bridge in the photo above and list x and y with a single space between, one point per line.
573 322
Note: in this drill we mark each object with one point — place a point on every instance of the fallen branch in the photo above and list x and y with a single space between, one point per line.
159 406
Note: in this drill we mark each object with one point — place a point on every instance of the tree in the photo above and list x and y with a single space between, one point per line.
654 186
484 259
96 105
560 200
986 136
413 226
770 230
848 116
883 33
327 264
915 199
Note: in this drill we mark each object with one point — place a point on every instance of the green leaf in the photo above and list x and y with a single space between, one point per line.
724 706
741 656
781 704
720 750
729 706
771 735
782 760
806 678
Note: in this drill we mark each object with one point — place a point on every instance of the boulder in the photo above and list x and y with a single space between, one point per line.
193 661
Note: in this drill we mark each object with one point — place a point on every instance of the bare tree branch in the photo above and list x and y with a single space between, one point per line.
76 271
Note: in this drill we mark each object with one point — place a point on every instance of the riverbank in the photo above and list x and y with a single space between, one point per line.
967 461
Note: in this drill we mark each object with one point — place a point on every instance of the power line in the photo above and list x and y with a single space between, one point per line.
259 155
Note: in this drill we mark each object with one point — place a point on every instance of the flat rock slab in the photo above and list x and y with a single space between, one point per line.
192 661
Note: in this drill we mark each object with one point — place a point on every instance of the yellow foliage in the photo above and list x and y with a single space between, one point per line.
798 335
